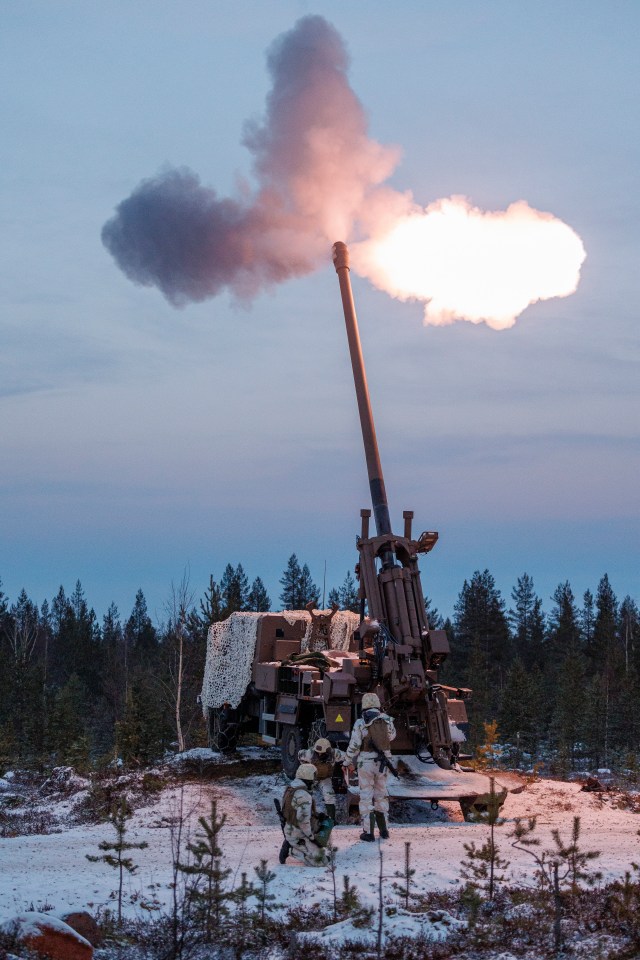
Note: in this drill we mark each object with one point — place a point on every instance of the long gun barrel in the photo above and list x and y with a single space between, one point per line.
372 455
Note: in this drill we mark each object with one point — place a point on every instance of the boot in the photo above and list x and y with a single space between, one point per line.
284 851
382 825
331 811
369 836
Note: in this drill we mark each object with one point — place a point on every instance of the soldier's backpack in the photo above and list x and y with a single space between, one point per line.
288 810
377 736
324 768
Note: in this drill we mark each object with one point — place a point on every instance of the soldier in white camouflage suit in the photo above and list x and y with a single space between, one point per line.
370 743
324 757
301 820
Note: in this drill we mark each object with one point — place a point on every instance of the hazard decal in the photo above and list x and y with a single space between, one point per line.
339 719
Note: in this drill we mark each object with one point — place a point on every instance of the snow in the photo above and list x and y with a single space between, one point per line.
436 925
53 870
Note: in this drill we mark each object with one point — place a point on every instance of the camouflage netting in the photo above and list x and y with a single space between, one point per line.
343 623
231 646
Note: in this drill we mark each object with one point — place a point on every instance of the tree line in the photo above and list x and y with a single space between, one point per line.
562 684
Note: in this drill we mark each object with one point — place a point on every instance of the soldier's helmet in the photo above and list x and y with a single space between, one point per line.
321 746
371 701
306 771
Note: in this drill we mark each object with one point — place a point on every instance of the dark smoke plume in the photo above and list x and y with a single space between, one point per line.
315 169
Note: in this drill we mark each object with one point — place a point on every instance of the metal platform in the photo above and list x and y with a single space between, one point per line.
428 781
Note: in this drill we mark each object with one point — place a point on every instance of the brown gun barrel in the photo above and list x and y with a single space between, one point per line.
372 455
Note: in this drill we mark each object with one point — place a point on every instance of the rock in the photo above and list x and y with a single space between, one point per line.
48 936
84 924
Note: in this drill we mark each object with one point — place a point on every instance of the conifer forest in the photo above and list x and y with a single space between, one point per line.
559 679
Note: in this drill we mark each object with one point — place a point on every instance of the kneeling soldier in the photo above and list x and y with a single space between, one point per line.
324 757
370 745
305 834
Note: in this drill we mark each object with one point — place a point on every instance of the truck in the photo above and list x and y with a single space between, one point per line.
295 676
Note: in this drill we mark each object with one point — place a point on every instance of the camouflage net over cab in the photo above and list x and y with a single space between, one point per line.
231 647
341 627
231 644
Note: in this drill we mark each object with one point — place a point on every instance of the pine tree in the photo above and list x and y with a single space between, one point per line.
211 604
118 819
630 633
114 679
242 919
234 590
141 641
563 628
527 622
206 891
143 730
258 599
309 593
482 864
434 618
521 709
67 734
602 649
290 583
23 709
481 653
568 724
406 875
346 596
264 898
587 619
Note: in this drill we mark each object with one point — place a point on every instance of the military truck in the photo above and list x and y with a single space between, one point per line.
297 675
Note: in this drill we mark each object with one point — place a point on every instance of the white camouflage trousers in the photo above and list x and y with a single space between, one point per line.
373 788
302 848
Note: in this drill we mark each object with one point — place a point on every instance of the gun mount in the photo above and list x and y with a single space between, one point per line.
295 676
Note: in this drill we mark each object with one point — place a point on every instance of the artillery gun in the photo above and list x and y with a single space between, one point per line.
297 675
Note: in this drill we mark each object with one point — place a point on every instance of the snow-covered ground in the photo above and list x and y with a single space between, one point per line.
53 870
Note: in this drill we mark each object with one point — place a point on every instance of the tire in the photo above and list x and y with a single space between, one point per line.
224 728
291 742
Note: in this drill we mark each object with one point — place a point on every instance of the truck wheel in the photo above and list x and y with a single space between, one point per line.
223 729
291 742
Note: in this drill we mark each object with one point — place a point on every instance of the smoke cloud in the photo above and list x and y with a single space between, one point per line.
318 177
314 166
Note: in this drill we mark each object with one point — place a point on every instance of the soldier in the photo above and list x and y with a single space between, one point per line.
324 757
302 828
370 745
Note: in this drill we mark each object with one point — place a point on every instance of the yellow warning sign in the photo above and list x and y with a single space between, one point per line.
339 719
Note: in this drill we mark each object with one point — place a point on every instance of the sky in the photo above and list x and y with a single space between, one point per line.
141 442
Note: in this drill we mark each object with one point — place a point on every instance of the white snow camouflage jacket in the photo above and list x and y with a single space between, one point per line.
358 734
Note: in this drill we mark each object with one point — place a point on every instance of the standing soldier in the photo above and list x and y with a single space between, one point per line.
324 757
305 834
370 745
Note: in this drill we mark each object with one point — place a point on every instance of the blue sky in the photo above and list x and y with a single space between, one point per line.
139 440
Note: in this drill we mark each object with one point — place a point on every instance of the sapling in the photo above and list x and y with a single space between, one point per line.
565 863
242 920
262 895
349 900
486 752
206 893
118 818
380 905
404 890
482 864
